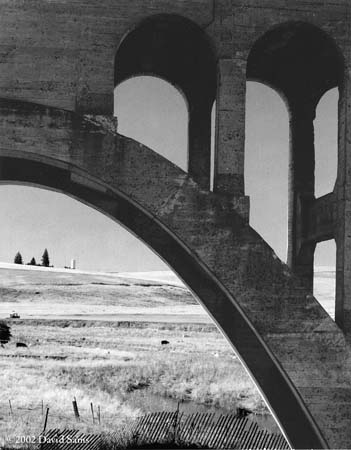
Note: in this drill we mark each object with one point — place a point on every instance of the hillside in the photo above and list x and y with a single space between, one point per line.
102 296
42 292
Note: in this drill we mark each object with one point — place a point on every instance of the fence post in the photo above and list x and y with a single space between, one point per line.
42 408
75 409
46 419
99 417
11 412
92 411
176 425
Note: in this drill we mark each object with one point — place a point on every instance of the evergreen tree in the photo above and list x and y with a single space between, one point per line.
5 333
18 258
45 259
32 262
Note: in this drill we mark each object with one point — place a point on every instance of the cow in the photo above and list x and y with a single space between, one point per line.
242 412
164 342
21 344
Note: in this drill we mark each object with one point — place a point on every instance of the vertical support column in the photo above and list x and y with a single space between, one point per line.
230 128
199 131
343 222
230 133
301 189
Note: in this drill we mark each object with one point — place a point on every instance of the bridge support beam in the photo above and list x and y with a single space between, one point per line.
230 134
322 219
296 353
343 194
301 190
200 142
230 128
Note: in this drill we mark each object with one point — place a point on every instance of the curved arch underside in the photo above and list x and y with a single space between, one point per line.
178 51
297 59
173 48
301 62
295 352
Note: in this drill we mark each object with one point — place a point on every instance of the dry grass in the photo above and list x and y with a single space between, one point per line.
106 366
125 371
53 294
52 288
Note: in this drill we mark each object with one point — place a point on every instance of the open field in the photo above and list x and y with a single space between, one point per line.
97 337
51 294
126 371
118 365
73 294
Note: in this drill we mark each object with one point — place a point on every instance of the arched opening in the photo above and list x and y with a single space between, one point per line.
326 142
301 62
177 50
326 160
324 275
155 113
259 359
87 328
266 164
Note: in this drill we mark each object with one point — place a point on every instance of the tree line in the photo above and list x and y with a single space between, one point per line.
45 260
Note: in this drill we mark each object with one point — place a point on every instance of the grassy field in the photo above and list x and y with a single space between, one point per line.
107 366
118 366
97 338
45 294
37 293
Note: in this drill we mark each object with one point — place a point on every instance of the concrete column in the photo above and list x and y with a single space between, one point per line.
343 222
230 128
301 189
199 132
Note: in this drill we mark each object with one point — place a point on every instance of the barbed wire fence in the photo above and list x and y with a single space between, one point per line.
42 412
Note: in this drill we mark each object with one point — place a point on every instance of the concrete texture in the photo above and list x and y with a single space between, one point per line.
59 65
300 359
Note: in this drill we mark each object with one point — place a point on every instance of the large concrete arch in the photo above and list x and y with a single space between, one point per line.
294 351
202 283
63 56
177 50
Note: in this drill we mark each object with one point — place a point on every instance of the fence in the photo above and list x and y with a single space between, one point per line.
39 413
207 430
68 440
223 431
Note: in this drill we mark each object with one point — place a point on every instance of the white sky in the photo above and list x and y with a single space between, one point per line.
154 113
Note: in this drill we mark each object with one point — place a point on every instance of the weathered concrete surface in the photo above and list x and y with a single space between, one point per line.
64 55
296 353
70 55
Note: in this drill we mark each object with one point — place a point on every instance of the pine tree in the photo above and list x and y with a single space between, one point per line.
18 258
32 262
45 259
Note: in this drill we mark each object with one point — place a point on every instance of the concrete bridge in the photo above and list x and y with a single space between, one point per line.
59 64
